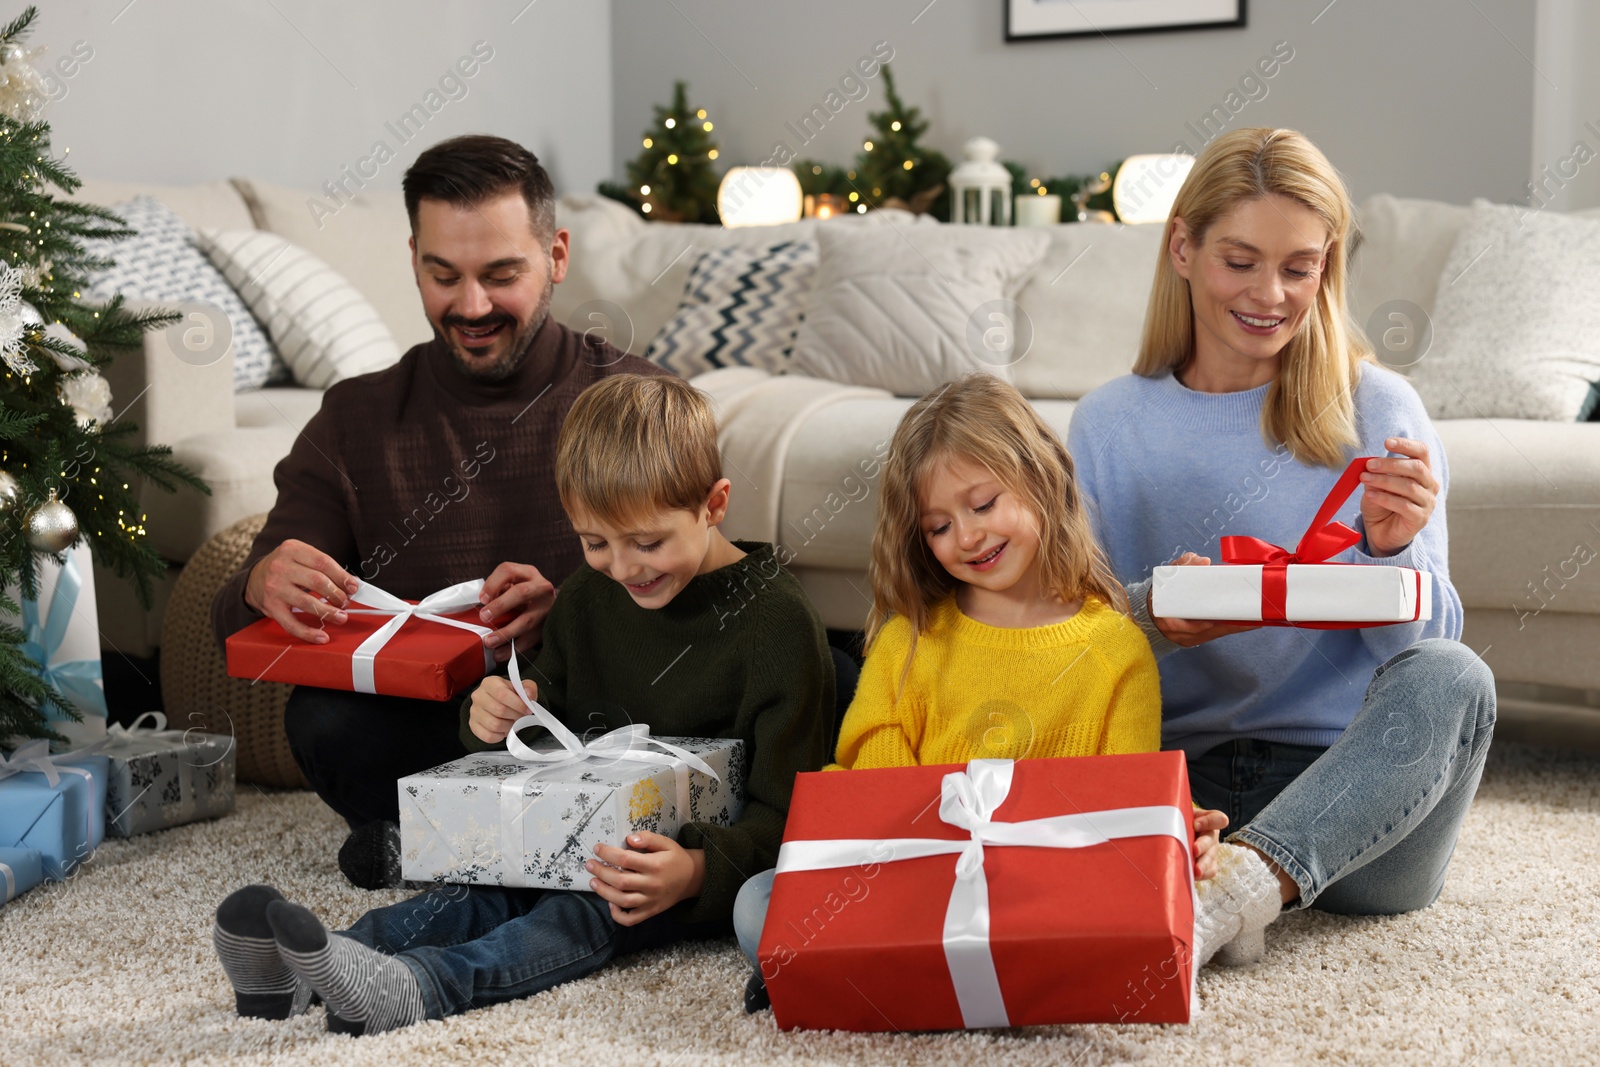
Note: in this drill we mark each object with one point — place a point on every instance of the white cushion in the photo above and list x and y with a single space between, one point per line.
270 407
366 241
321 326
1085 303
161 263
1516 326
215 204
909 310
741 308
1402 249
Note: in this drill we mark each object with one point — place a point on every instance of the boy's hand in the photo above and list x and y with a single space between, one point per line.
495 707
1208 825
649 876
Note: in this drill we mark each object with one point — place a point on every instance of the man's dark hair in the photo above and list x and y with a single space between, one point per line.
475 167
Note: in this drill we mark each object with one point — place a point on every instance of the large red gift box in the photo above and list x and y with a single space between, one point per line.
402 648
1096 927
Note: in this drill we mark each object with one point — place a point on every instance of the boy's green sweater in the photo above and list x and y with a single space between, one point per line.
740 652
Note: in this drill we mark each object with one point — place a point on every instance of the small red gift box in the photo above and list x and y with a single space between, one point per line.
430 649
1076 907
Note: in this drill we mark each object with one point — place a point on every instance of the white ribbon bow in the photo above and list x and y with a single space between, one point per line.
968 800
632 743
432 608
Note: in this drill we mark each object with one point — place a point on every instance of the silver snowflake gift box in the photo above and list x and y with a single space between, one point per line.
161 778
531 816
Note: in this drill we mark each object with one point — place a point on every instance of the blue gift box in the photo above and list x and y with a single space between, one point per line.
55 805
20 870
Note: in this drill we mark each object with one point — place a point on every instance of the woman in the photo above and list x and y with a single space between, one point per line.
1346 758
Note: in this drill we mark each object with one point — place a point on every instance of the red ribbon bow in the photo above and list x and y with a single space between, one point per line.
1322 539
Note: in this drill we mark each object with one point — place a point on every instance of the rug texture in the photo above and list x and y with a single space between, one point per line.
116 966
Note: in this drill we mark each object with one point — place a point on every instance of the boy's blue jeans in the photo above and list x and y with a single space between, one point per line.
1366 826
472 946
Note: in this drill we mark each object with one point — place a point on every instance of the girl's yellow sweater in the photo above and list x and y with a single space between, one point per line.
1084 687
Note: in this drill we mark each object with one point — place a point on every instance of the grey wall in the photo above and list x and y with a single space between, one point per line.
1566 107
1426 98
290 91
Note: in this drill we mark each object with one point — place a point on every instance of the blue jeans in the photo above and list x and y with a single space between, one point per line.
1367 825
472 946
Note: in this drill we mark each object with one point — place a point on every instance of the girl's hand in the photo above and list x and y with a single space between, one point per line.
1398 496
1208 825
1190 632
495 708
649 876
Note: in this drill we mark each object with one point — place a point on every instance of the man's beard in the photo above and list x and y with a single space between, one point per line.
506 365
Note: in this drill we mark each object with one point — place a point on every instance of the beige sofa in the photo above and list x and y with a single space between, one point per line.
1523 494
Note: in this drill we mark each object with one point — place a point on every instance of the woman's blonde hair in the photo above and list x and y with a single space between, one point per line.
984 421
1310 406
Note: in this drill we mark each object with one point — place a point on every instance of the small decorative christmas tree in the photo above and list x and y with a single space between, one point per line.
893 169
672 180
67 468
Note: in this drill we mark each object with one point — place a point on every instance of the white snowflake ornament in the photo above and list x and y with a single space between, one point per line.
15 319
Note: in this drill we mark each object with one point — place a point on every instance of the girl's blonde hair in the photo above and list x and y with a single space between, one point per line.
1310 406
985 421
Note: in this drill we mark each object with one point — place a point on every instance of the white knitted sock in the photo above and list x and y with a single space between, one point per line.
1254 895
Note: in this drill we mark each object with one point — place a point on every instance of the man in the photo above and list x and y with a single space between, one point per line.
435 471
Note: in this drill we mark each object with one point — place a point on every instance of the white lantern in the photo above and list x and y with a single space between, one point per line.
980 188
759 196
1146 186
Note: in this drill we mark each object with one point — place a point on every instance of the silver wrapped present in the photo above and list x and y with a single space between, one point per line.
161 778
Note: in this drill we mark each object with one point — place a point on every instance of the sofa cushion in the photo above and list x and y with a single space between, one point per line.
1516 326
1085 302
741 308
214 204
1524 514
289 406
321 326
366 240
237 465
161 263
909 311
1402 249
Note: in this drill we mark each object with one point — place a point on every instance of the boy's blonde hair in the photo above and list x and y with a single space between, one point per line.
1310 406
633 445
985 421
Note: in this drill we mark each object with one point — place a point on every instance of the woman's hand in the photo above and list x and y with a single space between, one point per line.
1208 825
1190 632
1398 496
495 708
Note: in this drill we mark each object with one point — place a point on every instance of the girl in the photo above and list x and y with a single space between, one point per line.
997 630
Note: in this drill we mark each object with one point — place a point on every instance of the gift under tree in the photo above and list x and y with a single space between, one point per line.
69 471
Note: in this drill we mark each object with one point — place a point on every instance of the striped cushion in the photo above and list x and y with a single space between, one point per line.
162 264
323 328
741 307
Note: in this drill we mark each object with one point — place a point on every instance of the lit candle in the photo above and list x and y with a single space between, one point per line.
1036 210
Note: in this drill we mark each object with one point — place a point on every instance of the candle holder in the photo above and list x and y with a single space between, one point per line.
826 205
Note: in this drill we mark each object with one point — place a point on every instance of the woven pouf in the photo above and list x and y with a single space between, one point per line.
195 686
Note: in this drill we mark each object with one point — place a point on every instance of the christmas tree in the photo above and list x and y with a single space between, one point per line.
893 168
672 180
67 468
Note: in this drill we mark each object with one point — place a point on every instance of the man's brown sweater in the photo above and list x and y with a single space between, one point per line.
418 477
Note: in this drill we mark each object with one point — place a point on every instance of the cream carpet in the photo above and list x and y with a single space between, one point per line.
115 966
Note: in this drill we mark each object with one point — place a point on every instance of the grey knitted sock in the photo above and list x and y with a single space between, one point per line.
264 987
360 985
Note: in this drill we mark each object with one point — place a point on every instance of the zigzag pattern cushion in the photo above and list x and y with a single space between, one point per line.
324 329
741 307
162 264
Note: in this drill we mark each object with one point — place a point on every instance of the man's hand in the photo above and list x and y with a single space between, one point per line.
519 590
296 575
649 876
495 707
1398 496
1208 824
1191 632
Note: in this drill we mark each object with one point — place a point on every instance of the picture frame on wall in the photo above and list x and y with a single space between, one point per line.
1032 20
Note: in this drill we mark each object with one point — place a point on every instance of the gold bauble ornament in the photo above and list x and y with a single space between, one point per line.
52 527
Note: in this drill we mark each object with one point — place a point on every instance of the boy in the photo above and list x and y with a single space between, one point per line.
670 624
